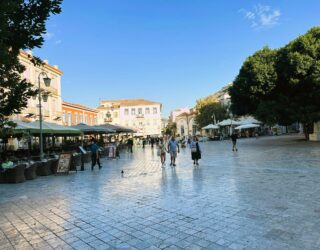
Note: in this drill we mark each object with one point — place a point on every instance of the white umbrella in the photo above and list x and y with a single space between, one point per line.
250 125
249 120
211 126
228 122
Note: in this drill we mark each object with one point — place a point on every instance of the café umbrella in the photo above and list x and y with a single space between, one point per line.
246 126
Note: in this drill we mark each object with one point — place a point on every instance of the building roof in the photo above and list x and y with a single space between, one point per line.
28 56
78 106
131 102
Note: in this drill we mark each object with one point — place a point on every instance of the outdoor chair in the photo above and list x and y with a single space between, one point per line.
15 175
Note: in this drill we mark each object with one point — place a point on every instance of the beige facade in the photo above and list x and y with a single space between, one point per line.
51 109
142 115
186 125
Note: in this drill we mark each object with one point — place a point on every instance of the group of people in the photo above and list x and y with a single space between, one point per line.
172 147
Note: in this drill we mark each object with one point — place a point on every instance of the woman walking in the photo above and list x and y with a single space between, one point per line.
195 151
162 149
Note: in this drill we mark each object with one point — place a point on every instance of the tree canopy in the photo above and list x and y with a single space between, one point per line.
206 112
281 86
22 26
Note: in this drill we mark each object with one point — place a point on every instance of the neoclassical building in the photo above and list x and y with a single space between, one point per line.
142 115
51 108
186 125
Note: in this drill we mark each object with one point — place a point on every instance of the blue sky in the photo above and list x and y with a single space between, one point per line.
171 51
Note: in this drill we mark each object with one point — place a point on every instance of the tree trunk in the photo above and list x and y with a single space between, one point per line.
307 129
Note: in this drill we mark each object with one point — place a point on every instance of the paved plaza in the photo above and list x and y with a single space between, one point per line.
265 196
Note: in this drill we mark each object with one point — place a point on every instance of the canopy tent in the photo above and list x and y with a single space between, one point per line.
211 126
117 128
86 129
55 129
250 125
228 122
249 120
27 127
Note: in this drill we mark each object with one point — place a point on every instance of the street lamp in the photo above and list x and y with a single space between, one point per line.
47 82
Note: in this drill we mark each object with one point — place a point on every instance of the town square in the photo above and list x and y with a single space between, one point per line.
159 124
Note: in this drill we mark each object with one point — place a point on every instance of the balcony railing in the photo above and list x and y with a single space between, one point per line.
140 116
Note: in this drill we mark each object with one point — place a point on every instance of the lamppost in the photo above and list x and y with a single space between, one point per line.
47 82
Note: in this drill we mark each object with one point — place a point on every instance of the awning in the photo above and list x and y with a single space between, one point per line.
211 126
250 125
86 129
228 122
55 129
249 120
117 128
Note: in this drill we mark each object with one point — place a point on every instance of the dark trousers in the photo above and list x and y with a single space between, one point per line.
95 160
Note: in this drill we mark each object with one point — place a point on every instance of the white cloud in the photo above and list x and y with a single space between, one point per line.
58 42
262 16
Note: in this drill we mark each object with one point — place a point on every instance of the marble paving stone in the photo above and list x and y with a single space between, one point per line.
265 196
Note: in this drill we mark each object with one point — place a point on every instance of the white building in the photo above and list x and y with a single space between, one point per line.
186 124
51 109
142 115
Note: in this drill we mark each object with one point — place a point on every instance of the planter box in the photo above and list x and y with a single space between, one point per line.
15 175
30 172
44 169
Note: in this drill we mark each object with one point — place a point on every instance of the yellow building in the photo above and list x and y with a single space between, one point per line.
51 109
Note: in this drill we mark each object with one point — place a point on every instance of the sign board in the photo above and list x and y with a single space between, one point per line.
64 164
83 151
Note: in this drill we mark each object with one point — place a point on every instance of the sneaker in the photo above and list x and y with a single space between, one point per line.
174 165
170 164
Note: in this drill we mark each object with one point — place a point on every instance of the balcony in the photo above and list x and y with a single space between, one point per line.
107 119
140 116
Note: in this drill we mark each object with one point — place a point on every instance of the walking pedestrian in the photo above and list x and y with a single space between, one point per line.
195 151
95 158
234 138
162 151
173 148
130 145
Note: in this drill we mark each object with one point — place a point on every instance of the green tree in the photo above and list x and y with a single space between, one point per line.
205 113
22 26
170 129
254 83
281 86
